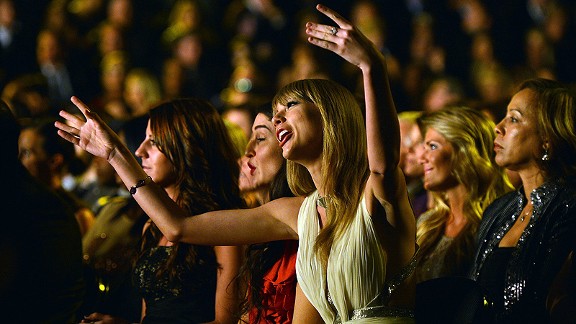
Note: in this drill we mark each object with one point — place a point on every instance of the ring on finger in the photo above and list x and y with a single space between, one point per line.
333 30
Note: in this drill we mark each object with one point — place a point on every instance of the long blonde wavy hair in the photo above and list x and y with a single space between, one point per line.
471 135
344 159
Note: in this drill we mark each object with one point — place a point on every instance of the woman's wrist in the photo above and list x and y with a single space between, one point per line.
122 160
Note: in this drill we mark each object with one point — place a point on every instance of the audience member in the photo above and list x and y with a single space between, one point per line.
242 116
28 97
410 148
442 92
269 268
527 235
40 247
353 216
142 91
188 153
15 44
48 158
110 102
65 75
460 173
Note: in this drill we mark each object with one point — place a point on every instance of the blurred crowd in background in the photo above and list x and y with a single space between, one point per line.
122 56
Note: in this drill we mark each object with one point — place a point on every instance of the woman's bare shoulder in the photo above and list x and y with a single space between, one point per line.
286 210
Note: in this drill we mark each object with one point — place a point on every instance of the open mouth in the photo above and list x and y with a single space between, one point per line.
283 136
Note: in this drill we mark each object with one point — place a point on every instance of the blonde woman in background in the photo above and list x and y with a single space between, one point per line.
460 171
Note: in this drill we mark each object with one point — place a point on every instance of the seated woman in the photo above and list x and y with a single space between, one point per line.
270 268
352 216
188 154
460 172
527 235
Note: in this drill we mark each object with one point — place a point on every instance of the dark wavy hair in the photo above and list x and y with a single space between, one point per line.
261 257
192 135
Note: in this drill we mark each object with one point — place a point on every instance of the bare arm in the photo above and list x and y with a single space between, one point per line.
215 228
227 295
304 312
386 182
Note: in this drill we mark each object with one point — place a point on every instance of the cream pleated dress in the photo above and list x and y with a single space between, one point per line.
354 288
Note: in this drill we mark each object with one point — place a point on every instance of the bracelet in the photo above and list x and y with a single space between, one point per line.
140 183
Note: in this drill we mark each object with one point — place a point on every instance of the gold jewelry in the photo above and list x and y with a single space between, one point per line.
140 183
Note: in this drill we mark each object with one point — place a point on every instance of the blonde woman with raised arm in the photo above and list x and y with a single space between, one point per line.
352 215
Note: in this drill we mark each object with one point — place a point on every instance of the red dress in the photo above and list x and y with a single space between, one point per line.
279 289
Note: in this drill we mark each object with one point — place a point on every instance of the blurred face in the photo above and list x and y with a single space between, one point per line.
33 156
299 130
412 167
517 144
436 161
189 51
243 119
405 141
262 160
47 49
154 162
135 95
113 79
110 40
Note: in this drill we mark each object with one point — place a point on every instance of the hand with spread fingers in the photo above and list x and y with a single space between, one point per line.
92 134
344 39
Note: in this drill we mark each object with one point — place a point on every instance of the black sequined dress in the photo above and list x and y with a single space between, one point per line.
187 298
532 265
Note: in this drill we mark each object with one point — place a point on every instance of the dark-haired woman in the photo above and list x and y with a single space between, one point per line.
269 268
527 235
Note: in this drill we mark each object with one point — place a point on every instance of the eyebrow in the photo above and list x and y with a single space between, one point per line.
262 126
516 110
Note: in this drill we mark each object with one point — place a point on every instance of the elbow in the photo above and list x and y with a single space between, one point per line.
173 234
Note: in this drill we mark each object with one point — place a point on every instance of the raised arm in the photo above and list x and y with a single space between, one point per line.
386 182
214 228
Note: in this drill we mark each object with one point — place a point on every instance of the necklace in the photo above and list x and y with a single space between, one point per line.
321 202
526 213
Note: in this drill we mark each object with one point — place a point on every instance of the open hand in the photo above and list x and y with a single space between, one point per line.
344 39
92 134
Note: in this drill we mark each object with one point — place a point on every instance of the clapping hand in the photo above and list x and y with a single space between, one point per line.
92 134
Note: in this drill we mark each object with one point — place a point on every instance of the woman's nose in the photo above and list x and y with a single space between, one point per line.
140 150
498 129
421 156
250 149
278 119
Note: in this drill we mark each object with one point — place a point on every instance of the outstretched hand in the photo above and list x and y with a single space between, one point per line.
344 39
92 134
